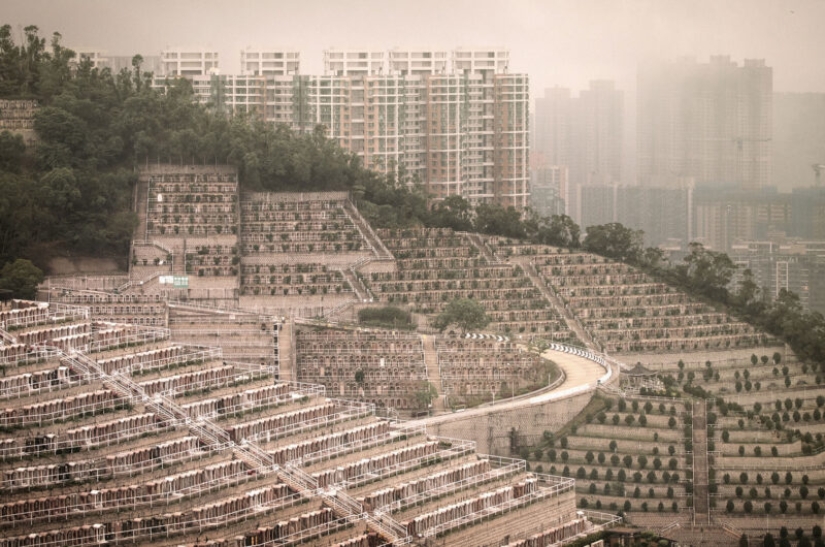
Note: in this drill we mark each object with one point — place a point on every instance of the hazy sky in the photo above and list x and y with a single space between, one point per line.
558 42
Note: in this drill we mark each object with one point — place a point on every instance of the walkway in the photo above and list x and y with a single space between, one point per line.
700 463
482 247
551 296
356 284
581 375
285 352
367 232
433 371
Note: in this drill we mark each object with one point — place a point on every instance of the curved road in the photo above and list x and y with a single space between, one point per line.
581 375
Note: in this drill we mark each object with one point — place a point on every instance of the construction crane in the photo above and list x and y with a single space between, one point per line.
818 167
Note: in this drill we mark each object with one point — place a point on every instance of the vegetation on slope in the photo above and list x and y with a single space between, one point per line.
72 193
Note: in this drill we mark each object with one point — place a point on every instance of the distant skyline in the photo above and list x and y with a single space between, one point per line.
562 42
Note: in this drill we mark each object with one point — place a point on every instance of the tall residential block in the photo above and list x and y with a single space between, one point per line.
189 62
457 123
583 134
709 122
257 61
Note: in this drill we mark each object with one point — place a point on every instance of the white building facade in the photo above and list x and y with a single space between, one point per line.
456 123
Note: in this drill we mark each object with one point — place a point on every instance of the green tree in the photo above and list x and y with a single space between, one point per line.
558 230
22 278
615 241
425 394
453 212
12 150
706 272
495 219
465 313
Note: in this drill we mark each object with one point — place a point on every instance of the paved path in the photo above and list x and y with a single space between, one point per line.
581 375
700 463
433 372
572 321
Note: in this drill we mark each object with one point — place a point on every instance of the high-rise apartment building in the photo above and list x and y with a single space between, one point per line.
548 190
553 128
725 214
597 134
353 62
101 59
420 62
665 215
456 123
270 62
189 62
583 134
710 122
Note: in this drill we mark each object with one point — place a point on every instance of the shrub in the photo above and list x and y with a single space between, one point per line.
388 316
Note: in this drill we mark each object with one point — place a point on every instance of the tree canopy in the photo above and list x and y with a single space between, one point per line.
21 277
425 394
465 313
614 241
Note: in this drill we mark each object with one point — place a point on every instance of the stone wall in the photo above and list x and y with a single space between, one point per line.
85 265
492 432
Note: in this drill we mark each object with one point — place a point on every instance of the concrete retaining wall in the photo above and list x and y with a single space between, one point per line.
492 432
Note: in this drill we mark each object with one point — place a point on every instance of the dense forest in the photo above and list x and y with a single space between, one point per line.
72 192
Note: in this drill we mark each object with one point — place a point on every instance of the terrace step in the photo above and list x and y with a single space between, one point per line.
572 321
433 371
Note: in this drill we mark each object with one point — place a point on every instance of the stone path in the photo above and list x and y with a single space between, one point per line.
285 352
355 283
433 371
479 244
700 463
572 321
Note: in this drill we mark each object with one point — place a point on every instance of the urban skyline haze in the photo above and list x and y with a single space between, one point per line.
561 43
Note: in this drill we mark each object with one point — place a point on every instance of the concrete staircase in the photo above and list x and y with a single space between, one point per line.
285 352
141 197
433 371
378 247
483 248
357 286
700 464
572 321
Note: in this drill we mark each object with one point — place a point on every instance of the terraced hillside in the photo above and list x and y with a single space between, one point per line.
435 266
728 448
200 240
408 371
627 312
113 433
